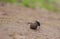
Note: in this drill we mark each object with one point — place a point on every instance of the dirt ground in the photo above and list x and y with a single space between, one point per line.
14 19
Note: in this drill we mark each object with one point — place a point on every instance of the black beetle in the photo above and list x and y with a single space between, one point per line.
34 25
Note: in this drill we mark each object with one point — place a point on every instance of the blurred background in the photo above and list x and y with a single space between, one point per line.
52 5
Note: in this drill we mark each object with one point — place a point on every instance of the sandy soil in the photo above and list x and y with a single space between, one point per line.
14 19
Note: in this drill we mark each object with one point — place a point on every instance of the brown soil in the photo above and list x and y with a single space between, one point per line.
14 19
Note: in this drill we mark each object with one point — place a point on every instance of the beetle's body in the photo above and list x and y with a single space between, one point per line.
34 25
